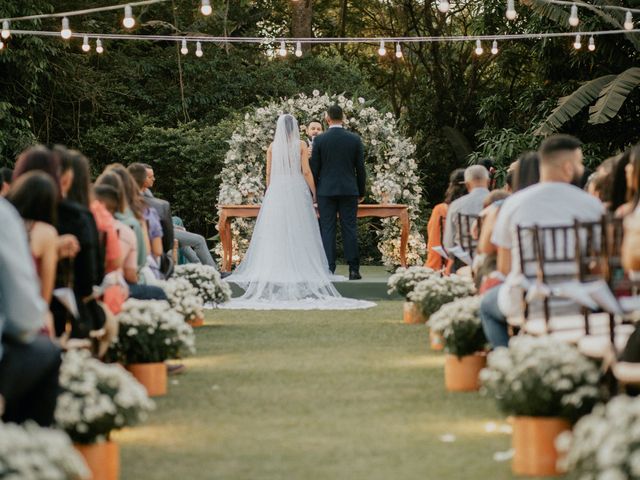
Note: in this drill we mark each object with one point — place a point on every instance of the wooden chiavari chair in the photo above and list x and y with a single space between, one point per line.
465 225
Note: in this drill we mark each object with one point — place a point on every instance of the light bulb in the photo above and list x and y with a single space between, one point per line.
99 48
199 52
128 20
382 51
511 10
184 50
85 44
573 18
494 48
282 51
298 49
443 6
66 31
592 44
398 51
628 21
5 29
577 44
206 7
479 49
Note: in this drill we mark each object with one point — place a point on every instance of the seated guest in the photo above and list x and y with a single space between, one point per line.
35 197
553 201
600 182
5 180
620 191
194 246
29 362
455 190
476 179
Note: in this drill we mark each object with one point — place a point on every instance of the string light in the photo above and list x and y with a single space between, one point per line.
443 6
99 48
283 49
128 21
628 21
298 49
206 7
573 18
592 44
511 10
577 44
66 31
5 30
184 50
382 51
479 49
199 51
85 44
494 48
398 51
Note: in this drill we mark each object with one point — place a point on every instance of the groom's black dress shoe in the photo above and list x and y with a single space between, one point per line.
354 275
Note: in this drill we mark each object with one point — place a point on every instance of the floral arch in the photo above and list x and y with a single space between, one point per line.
391 168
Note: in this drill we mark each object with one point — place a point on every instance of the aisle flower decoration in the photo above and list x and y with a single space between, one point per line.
151 331
32 453
542 377
97 398
459 324
606 443
183 297
210 286
404 280
435 291
392 168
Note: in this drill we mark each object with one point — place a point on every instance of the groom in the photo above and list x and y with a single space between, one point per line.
337 163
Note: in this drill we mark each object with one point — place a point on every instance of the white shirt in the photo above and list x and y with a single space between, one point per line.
336 126
543 204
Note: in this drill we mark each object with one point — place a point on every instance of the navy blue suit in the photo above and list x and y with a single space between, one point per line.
337 163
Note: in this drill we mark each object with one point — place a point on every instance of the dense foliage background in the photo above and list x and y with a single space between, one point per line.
144 101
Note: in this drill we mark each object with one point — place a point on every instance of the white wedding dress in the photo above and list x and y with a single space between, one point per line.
285 267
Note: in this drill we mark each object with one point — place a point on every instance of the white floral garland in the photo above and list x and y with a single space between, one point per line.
389 159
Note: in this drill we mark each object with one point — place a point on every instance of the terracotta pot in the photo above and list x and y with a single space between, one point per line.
196 322
436 341
152 375
534 447
461 374
412 314
103 459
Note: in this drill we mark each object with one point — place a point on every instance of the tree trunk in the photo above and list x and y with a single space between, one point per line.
302 13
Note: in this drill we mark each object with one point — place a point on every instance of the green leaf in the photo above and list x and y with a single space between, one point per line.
614 95
569 106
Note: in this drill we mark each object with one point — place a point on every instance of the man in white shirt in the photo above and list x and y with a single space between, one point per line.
476 178
553 201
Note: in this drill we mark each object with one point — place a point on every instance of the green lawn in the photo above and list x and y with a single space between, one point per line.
314 395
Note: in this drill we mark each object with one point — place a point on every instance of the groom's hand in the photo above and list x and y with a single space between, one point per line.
360 199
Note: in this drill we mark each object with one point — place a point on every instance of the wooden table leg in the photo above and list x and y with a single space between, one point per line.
224 227
404 236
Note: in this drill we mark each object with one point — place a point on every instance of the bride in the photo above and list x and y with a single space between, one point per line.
285 266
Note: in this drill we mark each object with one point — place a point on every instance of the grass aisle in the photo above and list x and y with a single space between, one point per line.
313 395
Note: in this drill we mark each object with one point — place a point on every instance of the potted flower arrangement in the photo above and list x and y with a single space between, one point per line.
97 398
546 385
207 280
605 443
403 282
434 292
184 298
150 333
31 452
458 323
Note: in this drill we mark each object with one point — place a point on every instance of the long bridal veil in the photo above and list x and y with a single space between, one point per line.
285 266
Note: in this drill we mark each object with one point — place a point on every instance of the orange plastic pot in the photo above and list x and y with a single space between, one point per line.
196 322
152 375
103 459
461 374
412 314
534 440
436 341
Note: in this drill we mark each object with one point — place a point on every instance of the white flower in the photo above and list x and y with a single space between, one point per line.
316 93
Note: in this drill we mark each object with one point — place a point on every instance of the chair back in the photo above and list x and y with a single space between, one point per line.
465 223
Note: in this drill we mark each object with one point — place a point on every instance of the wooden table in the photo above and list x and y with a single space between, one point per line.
228 212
